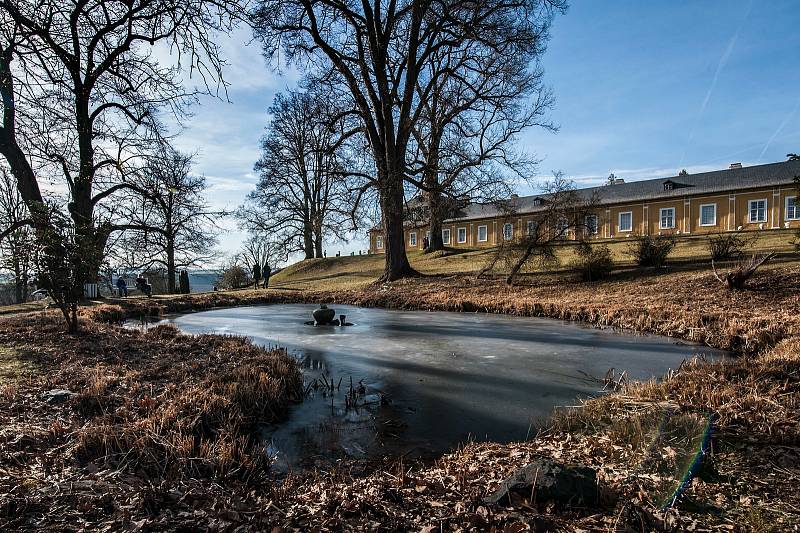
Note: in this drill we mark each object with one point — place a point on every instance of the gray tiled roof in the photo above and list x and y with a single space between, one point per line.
718 181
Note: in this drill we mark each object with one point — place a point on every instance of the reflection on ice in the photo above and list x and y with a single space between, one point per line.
403 382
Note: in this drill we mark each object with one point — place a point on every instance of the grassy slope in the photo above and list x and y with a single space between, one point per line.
349 272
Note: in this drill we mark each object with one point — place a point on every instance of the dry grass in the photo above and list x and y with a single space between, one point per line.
157 408
177 410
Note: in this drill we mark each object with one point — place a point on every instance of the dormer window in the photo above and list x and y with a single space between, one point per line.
668 185
537 202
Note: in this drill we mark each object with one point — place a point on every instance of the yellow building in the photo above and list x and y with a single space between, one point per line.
756 198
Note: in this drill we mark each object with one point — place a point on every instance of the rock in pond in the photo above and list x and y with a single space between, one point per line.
323 315
544 480
57 395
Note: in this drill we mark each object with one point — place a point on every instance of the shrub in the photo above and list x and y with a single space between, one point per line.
651 250
234 277
737 278
593 262
724 246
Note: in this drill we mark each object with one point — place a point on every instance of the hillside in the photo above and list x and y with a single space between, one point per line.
350 272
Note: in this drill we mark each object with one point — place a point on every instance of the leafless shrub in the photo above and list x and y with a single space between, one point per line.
724 246
651 250
235 277
736 279
593 262
562 212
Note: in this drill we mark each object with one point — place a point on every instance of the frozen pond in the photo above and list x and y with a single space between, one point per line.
433 380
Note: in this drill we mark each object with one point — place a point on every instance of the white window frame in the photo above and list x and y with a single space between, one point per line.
379 243
750 218
458 235
596 229
714 206
796 208
485 229
619 222
508 235
446 236
661 218
412 238
530 226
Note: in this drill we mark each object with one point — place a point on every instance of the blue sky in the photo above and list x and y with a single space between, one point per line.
642 90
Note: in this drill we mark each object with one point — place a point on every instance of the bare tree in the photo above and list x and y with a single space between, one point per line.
262 252
166 218
81 91
302 196
563 213
479 97
16 236
380 51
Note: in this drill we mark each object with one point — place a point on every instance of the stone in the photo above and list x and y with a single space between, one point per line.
55 396
544 480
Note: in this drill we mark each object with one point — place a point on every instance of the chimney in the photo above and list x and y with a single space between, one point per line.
618 181
514 196
735 165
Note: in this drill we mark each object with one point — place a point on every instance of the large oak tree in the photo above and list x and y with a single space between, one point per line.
380 50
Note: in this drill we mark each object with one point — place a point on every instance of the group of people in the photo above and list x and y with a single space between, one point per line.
144 286
141 284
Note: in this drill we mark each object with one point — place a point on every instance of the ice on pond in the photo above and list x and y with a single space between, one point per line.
433 380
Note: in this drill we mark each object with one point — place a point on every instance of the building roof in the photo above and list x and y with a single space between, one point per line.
718 181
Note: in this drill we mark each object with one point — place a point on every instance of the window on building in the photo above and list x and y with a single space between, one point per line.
508 231
462 235
668 186
537 201
412 238
708 215
792 211
562 228
483 233
758 210
591 224
446 236
379 243
531 225
667 218
626 221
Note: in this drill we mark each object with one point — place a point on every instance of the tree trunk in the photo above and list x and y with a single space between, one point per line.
170 266
71 316
318 244
308 242
518 265
435 242
81 207
396 260
20 283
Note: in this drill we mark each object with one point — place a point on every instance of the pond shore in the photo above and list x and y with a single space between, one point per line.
95 478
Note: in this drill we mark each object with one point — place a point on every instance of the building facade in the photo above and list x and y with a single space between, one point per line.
756 198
